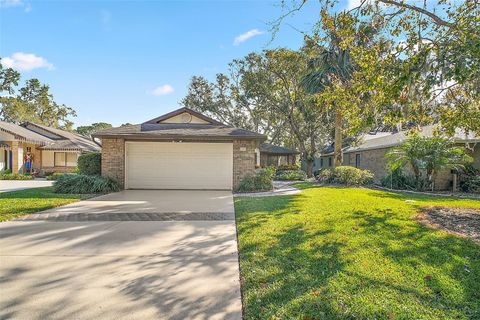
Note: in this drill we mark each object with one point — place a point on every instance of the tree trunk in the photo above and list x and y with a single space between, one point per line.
309 163
337 154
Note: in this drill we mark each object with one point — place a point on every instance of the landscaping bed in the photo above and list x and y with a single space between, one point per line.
353 253
461 221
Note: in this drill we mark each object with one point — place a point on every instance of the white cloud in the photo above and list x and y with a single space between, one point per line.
247 35
162 90
353 4
11 3
26 62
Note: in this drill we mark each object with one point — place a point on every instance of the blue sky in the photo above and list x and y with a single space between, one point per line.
129 61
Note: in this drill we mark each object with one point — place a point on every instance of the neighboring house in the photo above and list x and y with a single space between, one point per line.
275 155
183 149
41 148
370 154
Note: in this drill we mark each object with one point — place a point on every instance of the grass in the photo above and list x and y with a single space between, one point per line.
16 203
343 253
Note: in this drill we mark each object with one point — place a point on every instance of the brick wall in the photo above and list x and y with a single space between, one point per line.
243 159
113 159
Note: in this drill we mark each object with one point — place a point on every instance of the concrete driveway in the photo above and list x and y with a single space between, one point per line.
14 185
163 268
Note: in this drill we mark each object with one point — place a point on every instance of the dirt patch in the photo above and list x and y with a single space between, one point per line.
460 221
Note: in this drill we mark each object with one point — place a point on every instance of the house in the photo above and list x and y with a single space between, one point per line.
370 153
182 149
275 155
31 146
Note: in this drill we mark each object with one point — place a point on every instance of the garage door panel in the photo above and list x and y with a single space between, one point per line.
162 165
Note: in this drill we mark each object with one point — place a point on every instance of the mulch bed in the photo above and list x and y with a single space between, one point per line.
460 221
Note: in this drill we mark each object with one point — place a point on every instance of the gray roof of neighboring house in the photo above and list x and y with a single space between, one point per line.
273 149
66 141
394 139
154 130
24 134
58 140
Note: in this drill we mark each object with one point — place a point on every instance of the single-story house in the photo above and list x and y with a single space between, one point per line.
182 149
370 153
272 155
32 146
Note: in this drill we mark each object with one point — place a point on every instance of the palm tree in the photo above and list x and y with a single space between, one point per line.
332 64
427 155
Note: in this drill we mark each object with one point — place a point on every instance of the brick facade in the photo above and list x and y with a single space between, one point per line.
113 159
243 159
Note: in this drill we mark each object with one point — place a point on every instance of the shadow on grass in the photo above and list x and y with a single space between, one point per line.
436 258
41 193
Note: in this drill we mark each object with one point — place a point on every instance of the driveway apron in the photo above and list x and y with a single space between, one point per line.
130 255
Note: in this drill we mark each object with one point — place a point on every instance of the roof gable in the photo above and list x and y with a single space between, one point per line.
184 116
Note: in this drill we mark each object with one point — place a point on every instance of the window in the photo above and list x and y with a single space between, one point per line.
357 160
59 159
321 162
329 161
71 159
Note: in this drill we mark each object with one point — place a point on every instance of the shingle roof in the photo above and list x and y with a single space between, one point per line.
394 139
67 140
154 130
273 149
24 134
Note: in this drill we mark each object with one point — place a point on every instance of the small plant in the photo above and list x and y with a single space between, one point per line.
262 180
85 184
396 179
290 175
346 175
15 176
470 179
90 163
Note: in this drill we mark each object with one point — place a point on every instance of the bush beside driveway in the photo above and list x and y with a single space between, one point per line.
344 253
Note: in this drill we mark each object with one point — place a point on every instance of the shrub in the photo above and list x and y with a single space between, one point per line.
470 179
90 163
396 179
346 175
84 184
262 180
325 176
15 176
288 175
55 175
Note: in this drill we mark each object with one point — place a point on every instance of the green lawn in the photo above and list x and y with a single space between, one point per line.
334 253
17 203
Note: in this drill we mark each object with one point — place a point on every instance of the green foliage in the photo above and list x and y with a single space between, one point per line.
396 179
262 180
289 175
55 175
85 184
427 156
15 176
90 163
351 176
34 102
345 175
87 131
470 179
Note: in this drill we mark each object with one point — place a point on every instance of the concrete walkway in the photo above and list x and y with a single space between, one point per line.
280 188
122 269
14 185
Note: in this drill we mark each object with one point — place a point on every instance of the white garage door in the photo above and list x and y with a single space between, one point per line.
180 165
